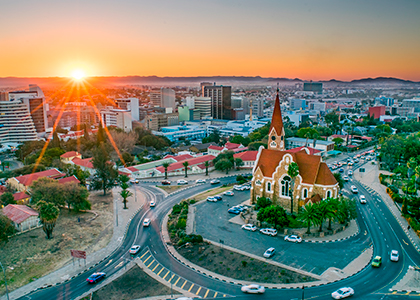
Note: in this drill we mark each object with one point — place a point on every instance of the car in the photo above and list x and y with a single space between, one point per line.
229 193
134 249
293 238
215 181
344 163
200 181
354 189
152 203
234 211
181 182
253 289
218 198
166 182
249 227
377 261
146 222
269 231
238 188
394 256
341 170
350 163
246 187
211 199
242 207
269 252
346 178
362 199
350 173
356 160
344 292
95 277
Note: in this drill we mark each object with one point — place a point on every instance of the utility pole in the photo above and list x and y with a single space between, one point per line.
5 281
303 292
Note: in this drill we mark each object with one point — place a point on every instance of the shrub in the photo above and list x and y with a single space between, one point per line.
244 263
182 224
393 188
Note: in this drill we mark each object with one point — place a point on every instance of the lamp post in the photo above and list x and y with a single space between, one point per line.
303 292
5 281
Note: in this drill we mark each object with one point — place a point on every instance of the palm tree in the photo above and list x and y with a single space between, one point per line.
186 164
339 179
207 164
309 215
333 204
166 166
48 215
292 171
125 193
324 212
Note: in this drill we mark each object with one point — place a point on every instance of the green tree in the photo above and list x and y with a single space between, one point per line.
338 141
309 215
212 137
223 165
76 196
125 193
332 118
274 215
263 202
346 210
293 172
186 164
238 163
100 136
165 165
6 228
105 173
324 212
333 206
239 139
339 179
207 164
77 171
48 190
55 142
7 198
48 215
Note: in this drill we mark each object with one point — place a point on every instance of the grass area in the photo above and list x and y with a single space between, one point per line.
171 188
29 256
234 265
212 192
134 284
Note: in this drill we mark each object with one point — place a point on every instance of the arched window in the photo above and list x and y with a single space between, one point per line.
285 186
328 194
305 193
268 186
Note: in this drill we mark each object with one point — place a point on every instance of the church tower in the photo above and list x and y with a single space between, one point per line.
276 139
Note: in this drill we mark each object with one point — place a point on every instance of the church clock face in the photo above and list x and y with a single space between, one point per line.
273 138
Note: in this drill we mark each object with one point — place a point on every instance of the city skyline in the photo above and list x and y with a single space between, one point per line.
320 40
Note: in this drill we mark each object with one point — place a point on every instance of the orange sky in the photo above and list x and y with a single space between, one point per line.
322 39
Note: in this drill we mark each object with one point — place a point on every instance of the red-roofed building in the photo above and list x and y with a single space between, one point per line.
22 198
68 156
84 163
22 183
216 150
308 150
22 216
248 158
195 166
69 179
179 158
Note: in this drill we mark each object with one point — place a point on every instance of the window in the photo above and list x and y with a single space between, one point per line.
328 194
268 186
285 186
305 193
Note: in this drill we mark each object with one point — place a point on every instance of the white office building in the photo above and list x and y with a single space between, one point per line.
163 97
120 118
131 104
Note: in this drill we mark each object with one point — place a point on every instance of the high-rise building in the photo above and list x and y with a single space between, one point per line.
203 104
156 121
221 107
120 118
131 104
163 97
315 87
34 99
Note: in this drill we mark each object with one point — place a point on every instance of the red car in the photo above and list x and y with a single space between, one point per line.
166 182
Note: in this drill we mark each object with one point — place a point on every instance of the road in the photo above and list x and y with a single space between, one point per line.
370 283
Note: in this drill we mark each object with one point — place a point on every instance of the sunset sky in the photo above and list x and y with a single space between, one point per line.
311 39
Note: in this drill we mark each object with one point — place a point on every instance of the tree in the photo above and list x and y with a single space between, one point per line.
346 210
125 193
48 215
7 198
105 173
324 212
239 139
165 165
55 142
223 165
100 137
333 204
48 190
6 228
263 202
186 164
273 214
309 215
207 164
338 141
212 137
339 179
293 172
76 196
332 118
238 163
77 171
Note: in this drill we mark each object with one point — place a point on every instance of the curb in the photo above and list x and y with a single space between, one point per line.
337 240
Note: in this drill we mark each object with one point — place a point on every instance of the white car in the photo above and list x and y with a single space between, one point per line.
253 289
350 163
134 249
146 222
354 189
200 181
152 203
269 231
229 193
250 227
181 181
346 178
362 199
238 188
350 173
394 255
293 238
246 187
269 252
215 181
344 292
211 199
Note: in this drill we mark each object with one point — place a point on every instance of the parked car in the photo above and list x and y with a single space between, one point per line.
95 277
146 222
215 181
354 189
249 227
293 238
238 188
269 231
344 292
211 199
242 207
234 211
246 187
362 199
269 252
229 193
218 198
152 203
134 249
253 289
394 256
200 181
181 181
166 182
377 261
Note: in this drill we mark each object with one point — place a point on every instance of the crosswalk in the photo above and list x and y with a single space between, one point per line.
405 293
152 264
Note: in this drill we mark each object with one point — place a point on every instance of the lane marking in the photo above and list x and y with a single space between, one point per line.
173 275
166 274
151 263
119 265
163 268
183 284
192 285
144 254
177 280
155 267
215 294
144 261
108 263
205 295
198 291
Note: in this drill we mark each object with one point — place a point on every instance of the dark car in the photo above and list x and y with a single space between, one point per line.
341 170
218 198
234 211
95 277
166 182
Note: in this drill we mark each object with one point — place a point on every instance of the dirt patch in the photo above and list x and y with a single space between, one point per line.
241 267
134 284
30 255
170 188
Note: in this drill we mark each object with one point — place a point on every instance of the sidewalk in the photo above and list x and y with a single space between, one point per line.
122 216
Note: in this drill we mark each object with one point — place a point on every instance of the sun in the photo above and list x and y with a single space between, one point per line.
78 75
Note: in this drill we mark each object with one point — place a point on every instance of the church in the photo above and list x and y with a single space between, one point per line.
270 179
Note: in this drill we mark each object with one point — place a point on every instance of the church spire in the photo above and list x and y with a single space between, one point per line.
276 132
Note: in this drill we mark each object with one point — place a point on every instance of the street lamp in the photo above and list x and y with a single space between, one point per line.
5 281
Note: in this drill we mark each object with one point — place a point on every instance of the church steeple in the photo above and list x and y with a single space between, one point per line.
276 138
